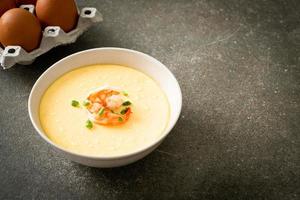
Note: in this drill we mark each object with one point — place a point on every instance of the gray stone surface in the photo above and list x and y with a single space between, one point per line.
238 63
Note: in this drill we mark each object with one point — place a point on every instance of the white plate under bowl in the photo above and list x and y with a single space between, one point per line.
127 57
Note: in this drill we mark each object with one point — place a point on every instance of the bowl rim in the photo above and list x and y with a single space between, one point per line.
123 156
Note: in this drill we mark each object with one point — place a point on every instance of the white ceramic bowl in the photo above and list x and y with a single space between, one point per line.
131 58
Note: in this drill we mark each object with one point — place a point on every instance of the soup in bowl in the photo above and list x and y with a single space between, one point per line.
105 107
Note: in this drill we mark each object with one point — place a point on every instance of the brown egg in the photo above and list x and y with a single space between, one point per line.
20 27
22 2
61 13
6 5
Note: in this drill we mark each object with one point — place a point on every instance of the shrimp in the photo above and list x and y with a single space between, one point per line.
108 106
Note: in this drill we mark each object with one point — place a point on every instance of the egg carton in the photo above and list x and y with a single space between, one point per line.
52 36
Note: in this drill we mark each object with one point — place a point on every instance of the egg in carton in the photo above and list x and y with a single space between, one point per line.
52 36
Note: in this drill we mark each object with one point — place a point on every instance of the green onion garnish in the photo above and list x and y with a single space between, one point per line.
86 103
89 124
101 111
126 103
75 103
120 119
124 111
125 93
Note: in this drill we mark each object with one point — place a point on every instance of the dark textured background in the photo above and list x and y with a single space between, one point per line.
238 63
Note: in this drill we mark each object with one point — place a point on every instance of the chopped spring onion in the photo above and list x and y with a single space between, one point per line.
125 93
120 119
75 103
86 103
101 111
89 124
126 103
124 111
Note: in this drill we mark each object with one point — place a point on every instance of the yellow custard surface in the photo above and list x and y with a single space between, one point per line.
65 124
